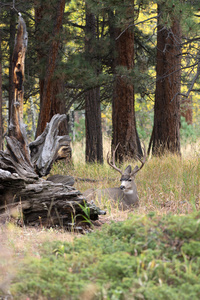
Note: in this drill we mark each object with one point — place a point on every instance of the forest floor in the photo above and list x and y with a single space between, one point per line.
167 186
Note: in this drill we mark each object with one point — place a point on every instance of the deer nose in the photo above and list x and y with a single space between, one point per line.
122 187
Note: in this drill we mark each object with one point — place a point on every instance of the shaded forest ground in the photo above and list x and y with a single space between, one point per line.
166 187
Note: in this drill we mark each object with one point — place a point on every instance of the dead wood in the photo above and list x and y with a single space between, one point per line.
65 179
52 204
44 150
42 202
16 125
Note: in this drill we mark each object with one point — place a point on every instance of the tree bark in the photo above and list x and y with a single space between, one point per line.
16 126
123 110
166 129
11 47
186 109
94 145
44 150
58 103
51 52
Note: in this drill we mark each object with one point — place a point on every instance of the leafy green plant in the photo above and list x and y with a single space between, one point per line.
86 213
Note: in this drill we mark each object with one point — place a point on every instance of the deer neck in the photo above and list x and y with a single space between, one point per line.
130 196
129 192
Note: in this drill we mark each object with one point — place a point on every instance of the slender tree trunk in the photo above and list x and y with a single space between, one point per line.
123 110
94 147
17 130
11 47
166 130
49 55
1 99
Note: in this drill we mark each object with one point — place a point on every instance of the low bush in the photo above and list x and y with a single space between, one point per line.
144 257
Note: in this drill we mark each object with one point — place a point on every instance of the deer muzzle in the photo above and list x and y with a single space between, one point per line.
122 187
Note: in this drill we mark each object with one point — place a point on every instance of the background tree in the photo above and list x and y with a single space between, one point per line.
166 129
123 109
49 19
94 146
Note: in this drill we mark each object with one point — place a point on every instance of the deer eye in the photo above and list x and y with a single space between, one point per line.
129 179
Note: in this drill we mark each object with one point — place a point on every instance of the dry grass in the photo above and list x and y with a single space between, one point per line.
167 184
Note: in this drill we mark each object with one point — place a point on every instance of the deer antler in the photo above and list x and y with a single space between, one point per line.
113 163
143 160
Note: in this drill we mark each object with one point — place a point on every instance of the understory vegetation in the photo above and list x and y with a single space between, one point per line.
144 257
152 252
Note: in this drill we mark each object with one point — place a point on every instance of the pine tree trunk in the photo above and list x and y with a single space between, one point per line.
166 130
49 54
123 110
58 103
94 146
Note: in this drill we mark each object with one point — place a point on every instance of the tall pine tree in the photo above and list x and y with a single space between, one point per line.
123 107
166 128
94 146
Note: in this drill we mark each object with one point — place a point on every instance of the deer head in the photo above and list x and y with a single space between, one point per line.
128 176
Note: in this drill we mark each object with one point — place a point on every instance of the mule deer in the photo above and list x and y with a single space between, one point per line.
126 195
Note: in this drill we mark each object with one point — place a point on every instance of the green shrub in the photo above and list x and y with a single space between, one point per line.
144 257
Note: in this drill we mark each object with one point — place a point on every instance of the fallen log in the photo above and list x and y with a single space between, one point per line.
54 204
44 202
65 179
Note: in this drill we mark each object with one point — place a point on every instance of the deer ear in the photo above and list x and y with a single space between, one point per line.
127 171
135 169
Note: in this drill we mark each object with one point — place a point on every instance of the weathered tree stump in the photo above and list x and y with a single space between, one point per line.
43 202
44 150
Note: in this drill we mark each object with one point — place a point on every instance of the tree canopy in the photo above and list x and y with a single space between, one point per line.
67 63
